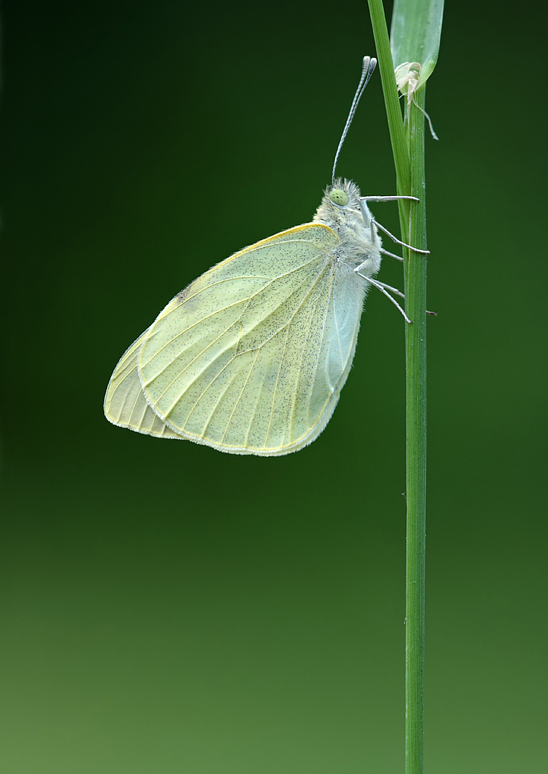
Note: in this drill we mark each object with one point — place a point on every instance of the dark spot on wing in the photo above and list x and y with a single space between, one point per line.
183 295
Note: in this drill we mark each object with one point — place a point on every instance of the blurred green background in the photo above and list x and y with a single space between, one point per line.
167 608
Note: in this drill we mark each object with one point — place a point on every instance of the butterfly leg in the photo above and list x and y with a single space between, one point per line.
399 293
392 255
371 222
391 289
366 215
387 198
380 286
373 225
398 241
384 288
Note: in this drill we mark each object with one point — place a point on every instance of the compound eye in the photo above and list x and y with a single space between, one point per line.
338 197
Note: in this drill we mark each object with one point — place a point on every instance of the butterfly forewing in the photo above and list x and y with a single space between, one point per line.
251 357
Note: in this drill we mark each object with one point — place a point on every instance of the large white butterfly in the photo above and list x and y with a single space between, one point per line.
251 357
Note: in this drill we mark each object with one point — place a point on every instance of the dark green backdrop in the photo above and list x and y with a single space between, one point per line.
167 608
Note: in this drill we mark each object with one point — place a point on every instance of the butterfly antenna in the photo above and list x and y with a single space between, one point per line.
368 68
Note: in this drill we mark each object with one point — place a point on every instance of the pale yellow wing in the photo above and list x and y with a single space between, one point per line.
251 357
125 404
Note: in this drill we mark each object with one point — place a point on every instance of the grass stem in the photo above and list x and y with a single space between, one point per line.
408 150
415 355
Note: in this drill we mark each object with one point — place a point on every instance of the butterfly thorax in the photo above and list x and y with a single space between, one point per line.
356 244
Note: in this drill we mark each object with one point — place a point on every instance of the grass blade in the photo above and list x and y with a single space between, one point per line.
415 34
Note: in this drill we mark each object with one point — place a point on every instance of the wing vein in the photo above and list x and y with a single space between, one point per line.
321 342
276 390
259 322
300 374
216 406
254 411
229 306
223 369
240 397
288 326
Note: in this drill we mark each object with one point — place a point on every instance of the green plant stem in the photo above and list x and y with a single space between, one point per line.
415 353
408 151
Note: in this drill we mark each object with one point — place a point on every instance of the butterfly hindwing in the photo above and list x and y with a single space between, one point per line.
125 403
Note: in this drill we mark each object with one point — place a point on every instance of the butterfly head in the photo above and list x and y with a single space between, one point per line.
340 204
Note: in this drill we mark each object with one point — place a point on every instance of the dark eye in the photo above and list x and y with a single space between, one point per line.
338 197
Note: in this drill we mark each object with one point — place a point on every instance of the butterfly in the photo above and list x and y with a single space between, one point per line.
252 356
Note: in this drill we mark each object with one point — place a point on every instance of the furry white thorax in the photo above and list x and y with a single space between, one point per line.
357 245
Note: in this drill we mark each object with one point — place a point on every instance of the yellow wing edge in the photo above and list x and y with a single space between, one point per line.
269 240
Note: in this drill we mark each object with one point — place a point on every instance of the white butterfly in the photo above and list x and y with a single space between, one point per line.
251 357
